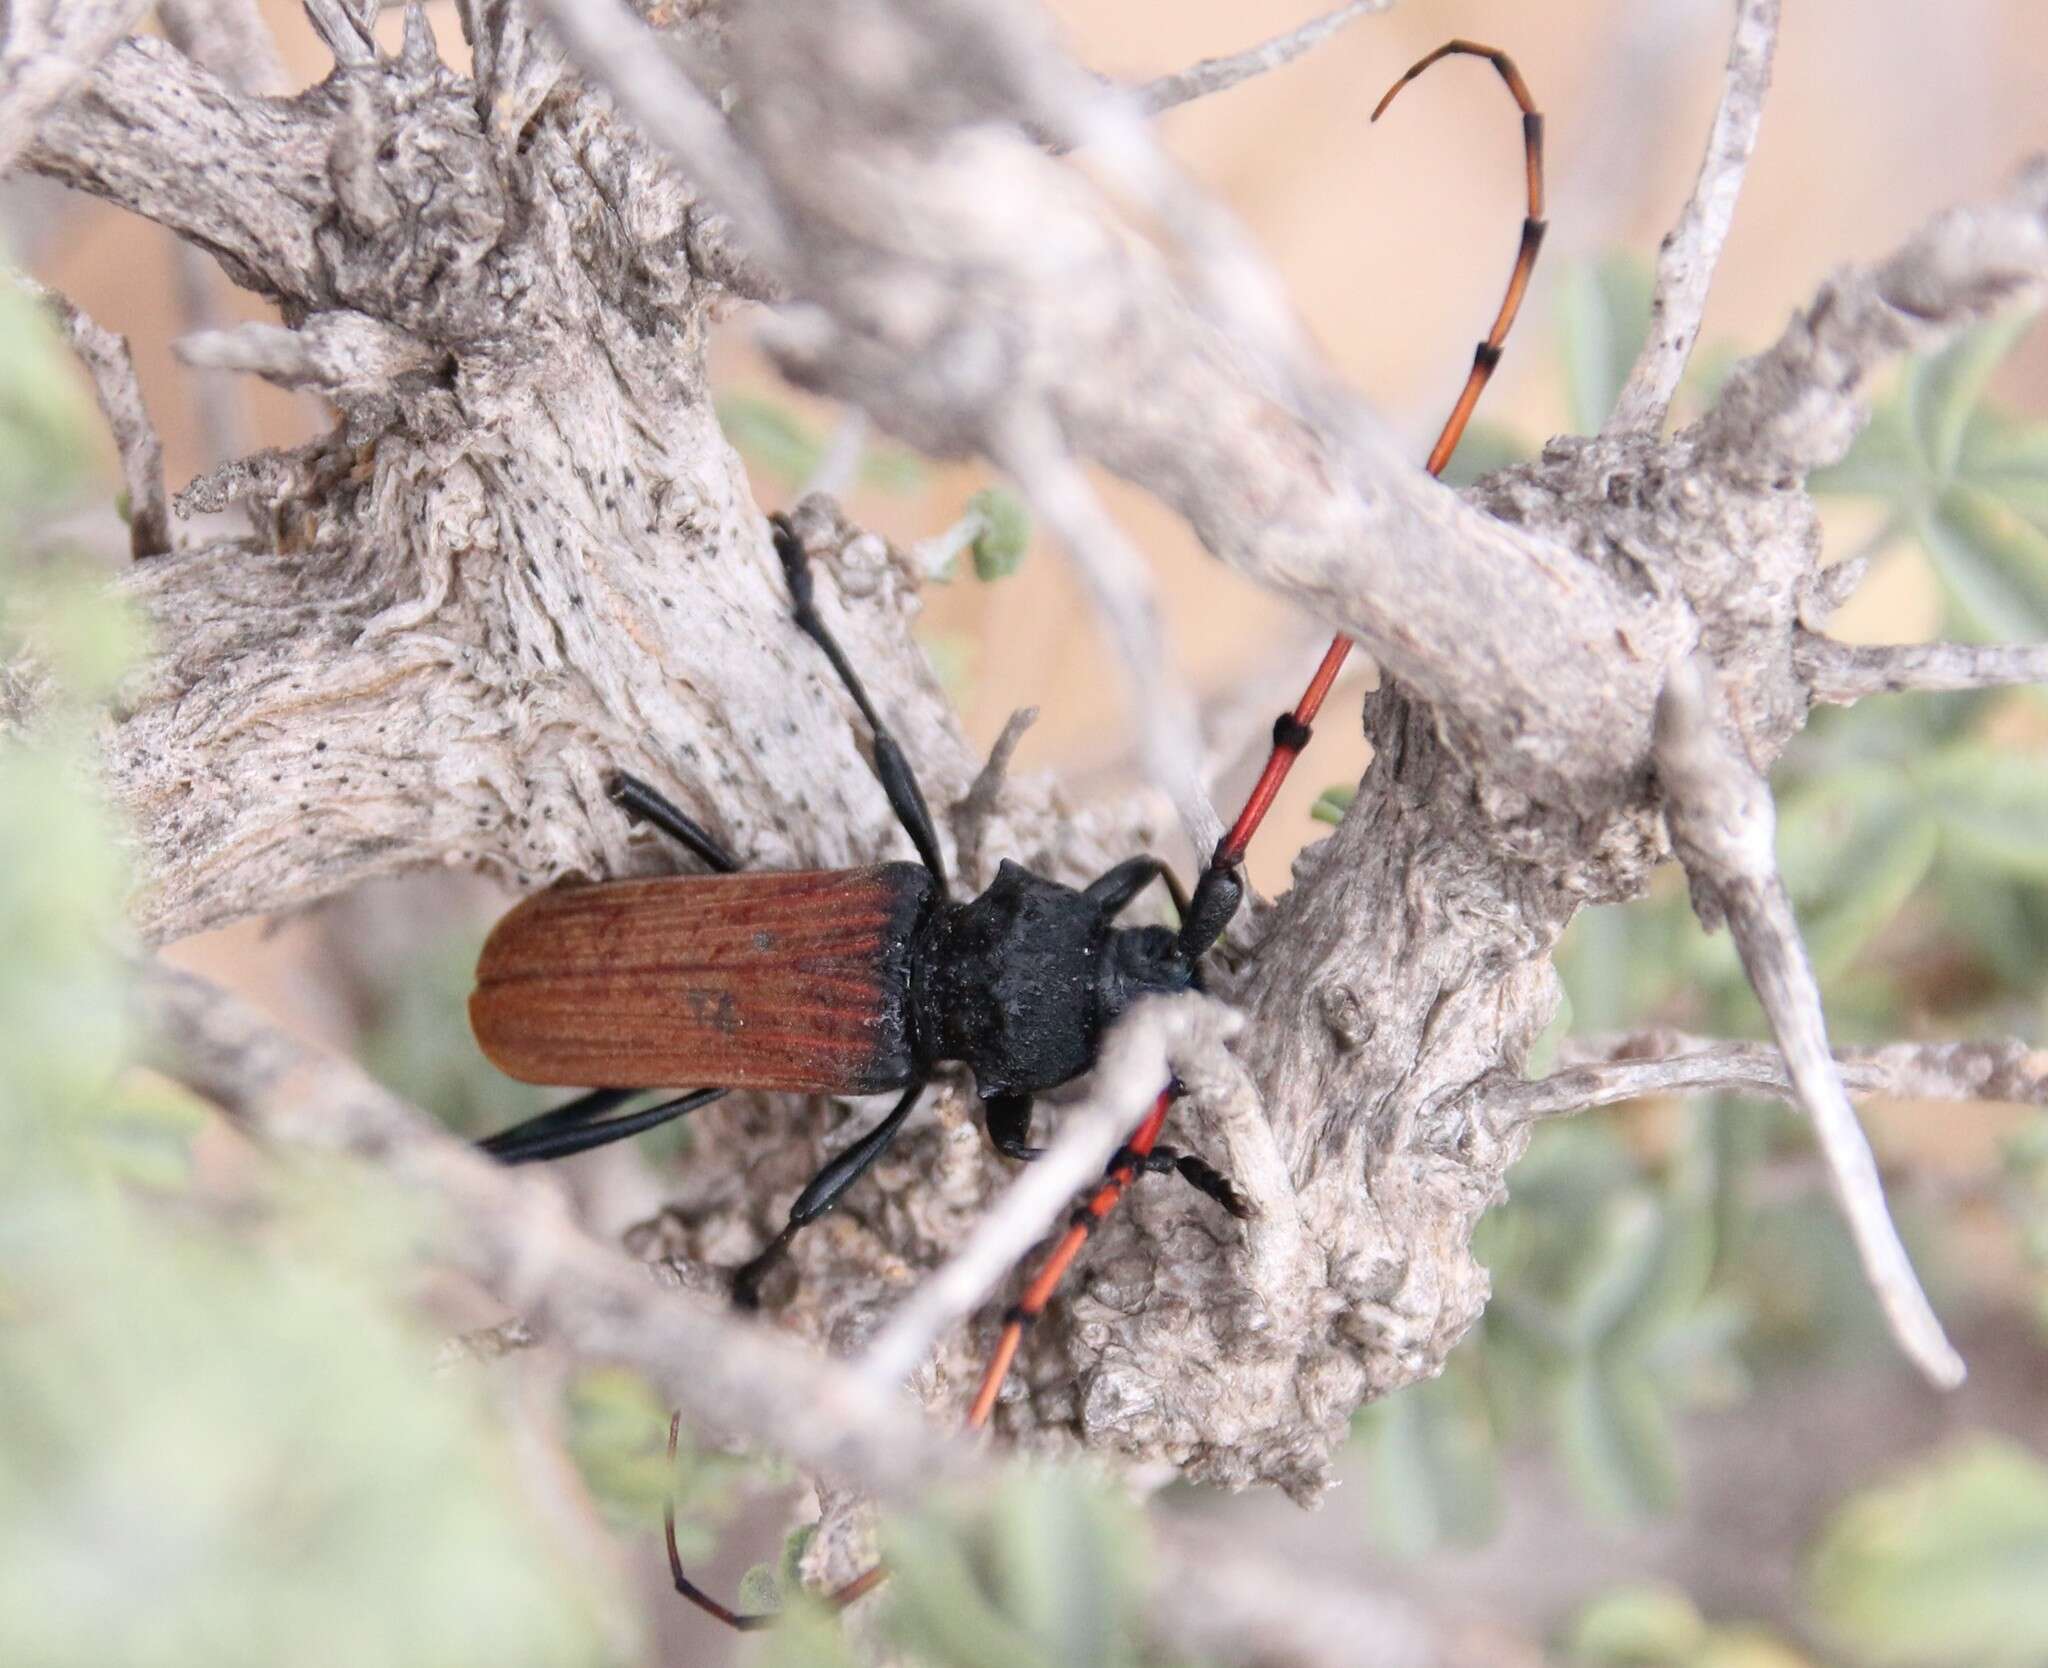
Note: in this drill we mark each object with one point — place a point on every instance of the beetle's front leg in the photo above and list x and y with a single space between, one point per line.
1008 1118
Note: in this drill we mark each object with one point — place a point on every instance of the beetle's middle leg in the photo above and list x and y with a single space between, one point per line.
820 1194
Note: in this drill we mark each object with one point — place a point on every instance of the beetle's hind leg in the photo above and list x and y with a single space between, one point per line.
650 805
820 1194
579 1125
892 768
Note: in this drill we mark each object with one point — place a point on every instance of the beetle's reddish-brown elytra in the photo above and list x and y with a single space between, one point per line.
788 982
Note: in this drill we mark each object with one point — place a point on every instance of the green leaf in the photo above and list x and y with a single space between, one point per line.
1993 567
1604 318
771 436
1885 462
2007 460
1993 809
46 416
1005 533
1614 1434
1947 1563
1652 1624
891 469
1333 802
1041 1575
1432 1465
1853 848
1942 392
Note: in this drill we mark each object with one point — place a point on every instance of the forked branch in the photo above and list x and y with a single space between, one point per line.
1723 826
1603 1071
1692 248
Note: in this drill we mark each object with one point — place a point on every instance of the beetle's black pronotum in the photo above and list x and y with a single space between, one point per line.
848 981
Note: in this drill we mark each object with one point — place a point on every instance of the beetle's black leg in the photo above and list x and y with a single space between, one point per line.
580 1125
893 770
1008 1118
1199 1174
647 804
1217 895
820 1194
1111 891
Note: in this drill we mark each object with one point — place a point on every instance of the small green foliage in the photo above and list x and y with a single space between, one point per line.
1604 315
1656 1625
1434 1471
46 415
1005 533
1333 802
1042 1575
776 441
617 1429
224 1440
1943 1565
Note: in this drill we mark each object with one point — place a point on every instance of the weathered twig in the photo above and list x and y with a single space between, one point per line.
112 368
49 47
1692 248
1602 1071
978 806
1843 673
1217 75
1120 586
1160 1037
1798 406
1722 826
229 37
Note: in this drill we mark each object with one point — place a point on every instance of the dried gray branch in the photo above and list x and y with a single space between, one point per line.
1797 407
1722 827
1843 673
1602 1071
1119 585
983 800
47 49
1692 248
228 37
1219 75
1161 1038
112 368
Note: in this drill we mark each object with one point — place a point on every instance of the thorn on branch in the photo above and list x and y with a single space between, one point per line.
978 807
112 367
344 30
1723 828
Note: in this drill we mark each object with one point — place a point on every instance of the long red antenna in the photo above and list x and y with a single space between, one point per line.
1290 732
1290 736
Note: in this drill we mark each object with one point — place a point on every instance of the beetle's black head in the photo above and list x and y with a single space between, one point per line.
1142 961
